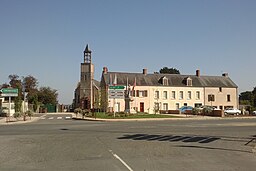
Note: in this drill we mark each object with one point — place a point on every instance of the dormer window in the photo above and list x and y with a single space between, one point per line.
189 81
164 81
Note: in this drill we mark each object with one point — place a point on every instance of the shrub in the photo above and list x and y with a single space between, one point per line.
29 113
195 111
16 115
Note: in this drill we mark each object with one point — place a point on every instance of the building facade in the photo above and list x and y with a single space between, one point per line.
146 92
164 92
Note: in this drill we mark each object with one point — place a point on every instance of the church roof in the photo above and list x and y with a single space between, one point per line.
174 80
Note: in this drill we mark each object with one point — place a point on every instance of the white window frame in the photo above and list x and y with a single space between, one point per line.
165 106
173 95
165 81
181 95
165 95
157 94
177 106
198 95
189 95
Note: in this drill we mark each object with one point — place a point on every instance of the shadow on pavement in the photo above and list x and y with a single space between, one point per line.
171 138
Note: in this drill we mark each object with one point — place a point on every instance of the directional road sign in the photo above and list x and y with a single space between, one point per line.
116 87
9 92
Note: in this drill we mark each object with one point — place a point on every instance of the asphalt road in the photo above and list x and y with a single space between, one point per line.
56 142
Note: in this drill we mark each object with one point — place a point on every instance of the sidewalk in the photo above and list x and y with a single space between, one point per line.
17 121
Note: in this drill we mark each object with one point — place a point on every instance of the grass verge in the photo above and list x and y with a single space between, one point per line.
131 116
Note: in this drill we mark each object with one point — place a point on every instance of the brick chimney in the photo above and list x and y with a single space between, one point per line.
105 70
198 73
145 71
225 74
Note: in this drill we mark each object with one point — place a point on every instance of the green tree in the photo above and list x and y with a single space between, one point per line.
254 97
31 84
166 70
5 85
246 98
17 104
47 95
15 82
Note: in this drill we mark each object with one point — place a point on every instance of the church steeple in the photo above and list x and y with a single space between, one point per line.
87 55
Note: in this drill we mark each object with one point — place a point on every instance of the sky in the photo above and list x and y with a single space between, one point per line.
46 39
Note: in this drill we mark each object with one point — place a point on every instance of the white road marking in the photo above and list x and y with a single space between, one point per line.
43 118
59 117
117 157
51 118
68 117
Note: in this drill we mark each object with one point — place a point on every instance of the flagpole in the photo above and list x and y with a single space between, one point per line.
135 95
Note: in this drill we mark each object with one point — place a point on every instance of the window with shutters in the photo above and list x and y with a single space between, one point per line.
165 106
181 95
189 95
165 94
156 94
173 95
211 98
197 95
141 93
177 106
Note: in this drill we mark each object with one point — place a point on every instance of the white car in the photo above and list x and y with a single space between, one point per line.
232 111
254 112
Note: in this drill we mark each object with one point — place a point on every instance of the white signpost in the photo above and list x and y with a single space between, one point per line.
115 92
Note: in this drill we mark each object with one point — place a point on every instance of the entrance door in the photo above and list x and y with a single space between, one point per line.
141 107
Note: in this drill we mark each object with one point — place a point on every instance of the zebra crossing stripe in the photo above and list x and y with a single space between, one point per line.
51 118
59 117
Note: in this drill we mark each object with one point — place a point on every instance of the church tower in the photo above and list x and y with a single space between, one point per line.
86 80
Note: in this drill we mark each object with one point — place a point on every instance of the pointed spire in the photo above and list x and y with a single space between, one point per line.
87 50
87 54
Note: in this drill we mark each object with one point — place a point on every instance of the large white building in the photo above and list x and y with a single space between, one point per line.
151 92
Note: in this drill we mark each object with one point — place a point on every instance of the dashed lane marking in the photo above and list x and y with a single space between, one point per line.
123 162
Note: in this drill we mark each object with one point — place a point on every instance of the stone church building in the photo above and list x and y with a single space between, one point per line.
87 90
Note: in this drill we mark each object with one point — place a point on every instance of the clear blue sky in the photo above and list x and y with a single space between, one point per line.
46 38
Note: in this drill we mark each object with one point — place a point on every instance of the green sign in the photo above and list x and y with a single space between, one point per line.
116 87
9 91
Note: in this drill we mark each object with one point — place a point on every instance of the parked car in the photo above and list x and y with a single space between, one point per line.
183 109
254 112
232 111
205 109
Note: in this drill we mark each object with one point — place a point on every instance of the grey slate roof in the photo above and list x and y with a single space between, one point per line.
174 80
97 83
